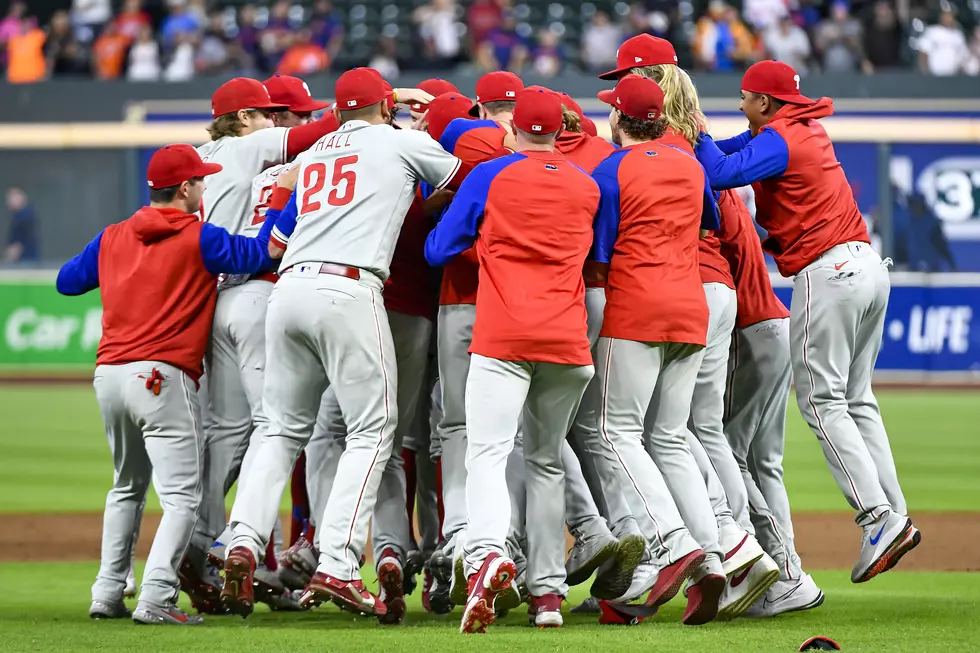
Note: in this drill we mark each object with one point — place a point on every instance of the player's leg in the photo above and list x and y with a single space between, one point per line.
708 403
427 502
552 402
594 542
174 441
495 396
391 533
123 506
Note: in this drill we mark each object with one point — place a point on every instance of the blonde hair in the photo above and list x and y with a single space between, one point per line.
570 120
682 108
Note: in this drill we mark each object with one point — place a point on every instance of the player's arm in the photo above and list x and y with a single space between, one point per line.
458 229
735 143
767 155
710 217
431 163
81 274
224 253
605 225
301 138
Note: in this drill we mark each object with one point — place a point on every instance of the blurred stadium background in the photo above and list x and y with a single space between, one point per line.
94 86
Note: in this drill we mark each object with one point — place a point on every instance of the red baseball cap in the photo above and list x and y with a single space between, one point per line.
444 109
642 50
538 111
588 127
360 87
434 87
496 86
776 79
174 164
242 93
636 96
293 92
391 95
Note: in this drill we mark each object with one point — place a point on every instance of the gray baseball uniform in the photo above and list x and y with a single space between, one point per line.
419 439
836 319
759 378
327 325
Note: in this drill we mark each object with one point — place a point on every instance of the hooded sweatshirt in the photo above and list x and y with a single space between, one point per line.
157 272
802 196
583 150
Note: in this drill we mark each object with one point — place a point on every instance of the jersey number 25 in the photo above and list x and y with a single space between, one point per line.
341 185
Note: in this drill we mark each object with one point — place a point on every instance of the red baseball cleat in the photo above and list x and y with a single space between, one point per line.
350 595
495 575
238 594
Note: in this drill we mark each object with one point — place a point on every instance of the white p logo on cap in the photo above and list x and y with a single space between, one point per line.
307 89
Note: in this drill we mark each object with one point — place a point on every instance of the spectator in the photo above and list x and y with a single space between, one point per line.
10 26
181 65
972 64
437 27
250 36
26 63
786 42
807 14
131 19
638 21
64 53
109 52
22 241
548 55
883 39
600 42
504 48
723 42
838 40
277 36
942 47
303 57
212 55
144 58
178 21
482 17
762 14
88 17
327 27
385 60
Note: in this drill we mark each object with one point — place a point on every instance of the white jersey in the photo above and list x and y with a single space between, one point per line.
355 187
262 186
227 198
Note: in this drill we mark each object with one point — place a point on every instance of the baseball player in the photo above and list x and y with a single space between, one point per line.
148 365
530 351
473 141
818 236
326 324
434 87
651 345
759 377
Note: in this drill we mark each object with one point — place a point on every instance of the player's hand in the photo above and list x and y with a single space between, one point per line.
289 178
437 201
422 124
412 95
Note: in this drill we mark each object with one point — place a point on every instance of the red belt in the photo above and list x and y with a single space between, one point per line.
267 276
334 269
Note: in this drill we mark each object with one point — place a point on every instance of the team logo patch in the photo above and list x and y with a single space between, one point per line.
535 128
650 153
510 94
548 166
637 59
652 115
352 103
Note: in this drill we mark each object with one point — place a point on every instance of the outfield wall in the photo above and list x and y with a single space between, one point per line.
932 328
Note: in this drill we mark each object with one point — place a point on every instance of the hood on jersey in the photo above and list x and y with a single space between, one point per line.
153 225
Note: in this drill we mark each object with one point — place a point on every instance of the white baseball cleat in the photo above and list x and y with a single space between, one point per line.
744 588
741 550
108 610
883 544
644 578
788 596
152 615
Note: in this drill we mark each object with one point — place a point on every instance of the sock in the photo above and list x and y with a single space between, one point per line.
270 556
410 486
301 501
440 507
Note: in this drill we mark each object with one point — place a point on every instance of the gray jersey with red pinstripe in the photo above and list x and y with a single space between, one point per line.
354 189
228 200
262 187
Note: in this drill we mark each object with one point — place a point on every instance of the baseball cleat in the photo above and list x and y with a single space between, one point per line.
672 577
496 574
644 578
151 615
884 542
238 595
587 555
108 610
788 596
298 563
130 589
269 589
702 600
615 580
744 588
392 587
545 611
458 584
203 591
350 595
741 549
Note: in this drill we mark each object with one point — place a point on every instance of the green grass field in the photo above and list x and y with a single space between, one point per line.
54 458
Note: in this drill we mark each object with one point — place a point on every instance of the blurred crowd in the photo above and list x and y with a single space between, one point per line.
181 39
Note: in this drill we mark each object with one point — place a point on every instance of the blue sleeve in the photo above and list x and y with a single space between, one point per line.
426 189
767 155
223 252
456 128
735 143
81 274
457 230
285 222
606 223
710 218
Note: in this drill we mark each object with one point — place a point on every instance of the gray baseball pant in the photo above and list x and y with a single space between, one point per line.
646 399
322 329
323 452
153 438
836 321
759 378
419 439
498 394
